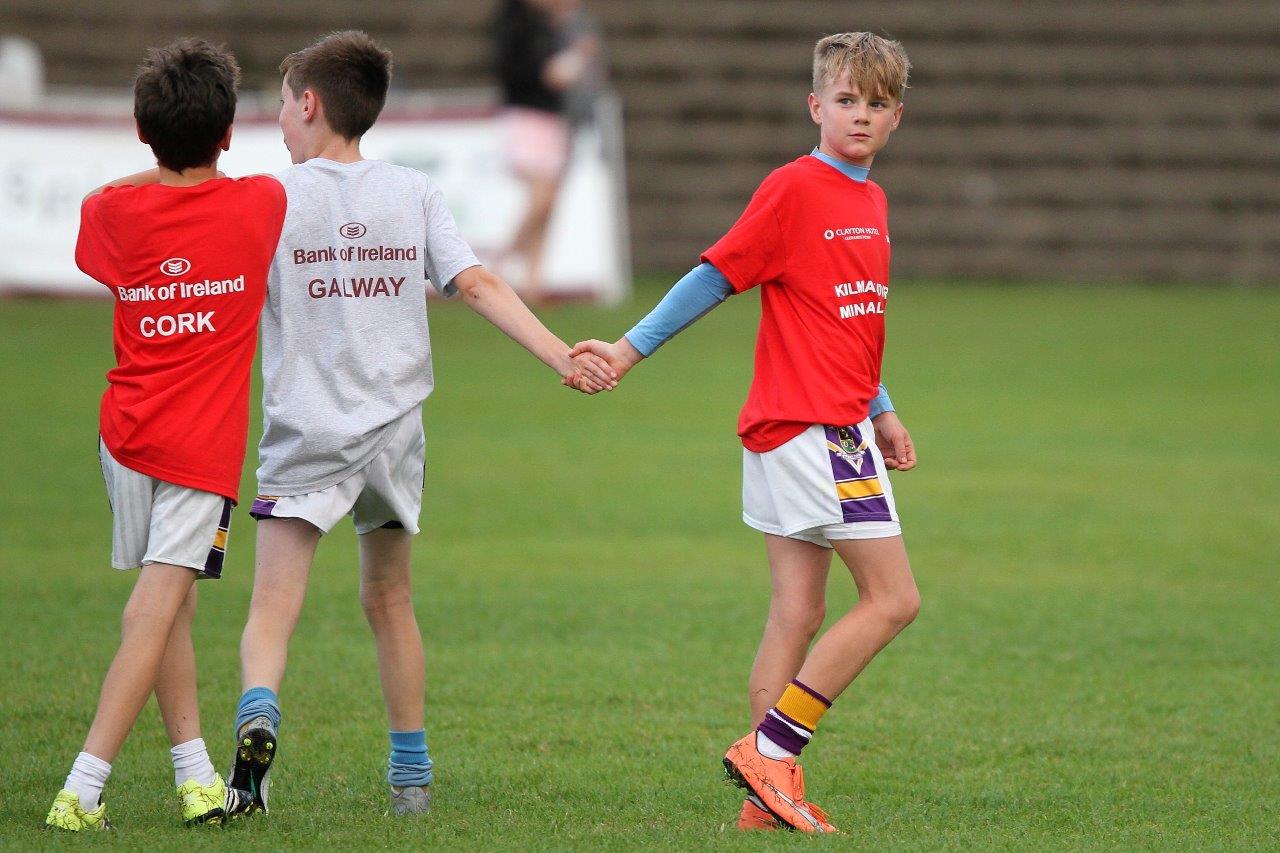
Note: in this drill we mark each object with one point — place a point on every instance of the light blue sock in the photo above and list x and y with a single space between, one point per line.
258 702
409 763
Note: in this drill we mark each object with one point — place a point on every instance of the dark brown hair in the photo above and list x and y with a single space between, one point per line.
184 99
349 73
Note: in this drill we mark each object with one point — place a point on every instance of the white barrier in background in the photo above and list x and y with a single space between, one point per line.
50 158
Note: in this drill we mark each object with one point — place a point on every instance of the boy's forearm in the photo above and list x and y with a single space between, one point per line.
701 289
627 353
137 179
493 299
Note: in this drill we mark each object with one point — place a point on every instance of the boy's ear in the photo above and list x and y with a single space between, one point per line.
897 116
310 104
225 144
814 104
142 137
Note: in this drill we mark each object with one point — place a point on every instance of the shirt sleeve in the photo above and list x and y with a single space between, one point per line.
445 252
880 403
753 252
702 288
92 250
274 200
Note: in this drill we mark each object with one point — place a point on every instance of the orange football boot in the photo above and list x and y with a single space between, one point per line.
777 782
753 817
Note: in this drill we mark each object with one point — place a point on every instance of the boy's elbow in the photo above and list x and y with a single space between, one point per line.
473 283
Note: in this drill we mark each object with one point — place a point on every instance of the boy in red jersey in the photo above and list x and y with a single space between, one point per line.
815 239
185 252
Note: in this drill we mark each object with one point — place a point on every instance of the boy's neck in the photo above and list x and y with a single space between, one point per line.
339 150
822 146
189 177
850 170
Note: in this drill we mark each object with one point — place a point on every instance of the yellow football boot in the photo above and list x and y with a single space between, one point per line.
67 814
203 803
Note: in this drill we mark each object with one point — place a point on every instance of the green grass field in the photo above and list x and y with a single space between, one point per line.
1095 527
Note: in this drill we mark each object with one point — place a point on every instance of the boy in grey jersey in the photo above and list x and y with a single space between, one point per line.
346 365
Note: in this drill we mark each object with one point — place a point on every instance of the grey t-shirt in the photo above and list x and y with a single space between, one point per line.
345 348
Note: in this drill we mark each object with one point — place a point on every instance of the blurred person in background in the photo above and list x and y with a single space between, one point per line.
547 58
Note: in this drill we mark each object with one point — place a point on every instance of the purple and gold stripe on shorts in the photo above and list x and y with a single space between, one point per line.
857 483
263 506
218 553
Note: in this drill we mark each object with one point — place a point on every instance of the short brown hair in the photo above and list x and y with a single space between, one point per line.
184 99
877 65
349 72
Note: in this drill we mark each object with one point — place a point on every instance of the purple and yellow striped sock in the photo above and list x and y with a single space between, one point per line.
790 724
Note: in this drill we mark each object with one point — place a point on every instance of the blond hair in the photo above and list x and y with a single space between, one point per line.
876 65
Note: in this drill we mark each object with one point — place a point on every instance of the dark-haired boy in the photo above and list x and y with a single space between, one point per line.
346 362
185 253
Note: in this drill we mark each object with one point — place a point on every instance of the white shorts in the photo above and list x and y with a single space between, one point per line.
826 483
387 492
157 522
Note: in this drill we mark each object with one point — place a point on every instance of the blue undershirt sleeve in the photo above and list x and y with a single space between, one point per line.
702 288
880 403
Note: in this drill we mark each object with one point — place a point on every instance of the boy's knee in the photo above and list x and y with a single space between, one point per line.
138 617
903 608
802 619
378 602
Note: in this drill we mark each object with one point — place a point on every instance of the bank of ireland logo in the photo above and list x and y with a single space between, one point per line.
175 266
829 234
353 230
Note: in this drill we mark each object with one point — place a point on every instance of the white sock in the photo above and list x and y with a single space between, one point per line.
769 749
191 761
87 778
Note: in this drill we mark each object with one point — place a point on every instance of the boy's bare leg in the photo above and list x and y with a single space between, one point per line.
146 625
531 235
385 595
887 602
176 696
176 683
796 610
286 547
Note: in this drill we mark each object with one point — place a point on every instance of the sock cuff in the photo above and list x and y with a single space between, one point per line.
87 761
409 763
255 702
815 694
191 747
259 694
409 740
803 705
409 748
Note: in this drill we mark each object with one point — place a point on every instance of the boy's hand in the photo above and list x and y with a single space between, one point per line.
894 442
591 375
620 356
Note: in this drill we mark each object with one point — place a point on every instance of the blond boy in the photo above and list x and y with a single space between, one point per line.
815 239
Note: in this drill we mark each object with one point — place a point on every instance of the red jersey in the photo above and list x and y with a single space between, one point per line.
188 268
817 242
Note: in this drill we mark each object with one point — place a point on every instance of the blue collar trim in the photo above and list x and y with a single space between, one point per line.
857 173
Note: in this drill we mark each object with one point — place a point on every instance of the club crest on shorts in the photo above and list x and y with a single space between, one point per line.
851 449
